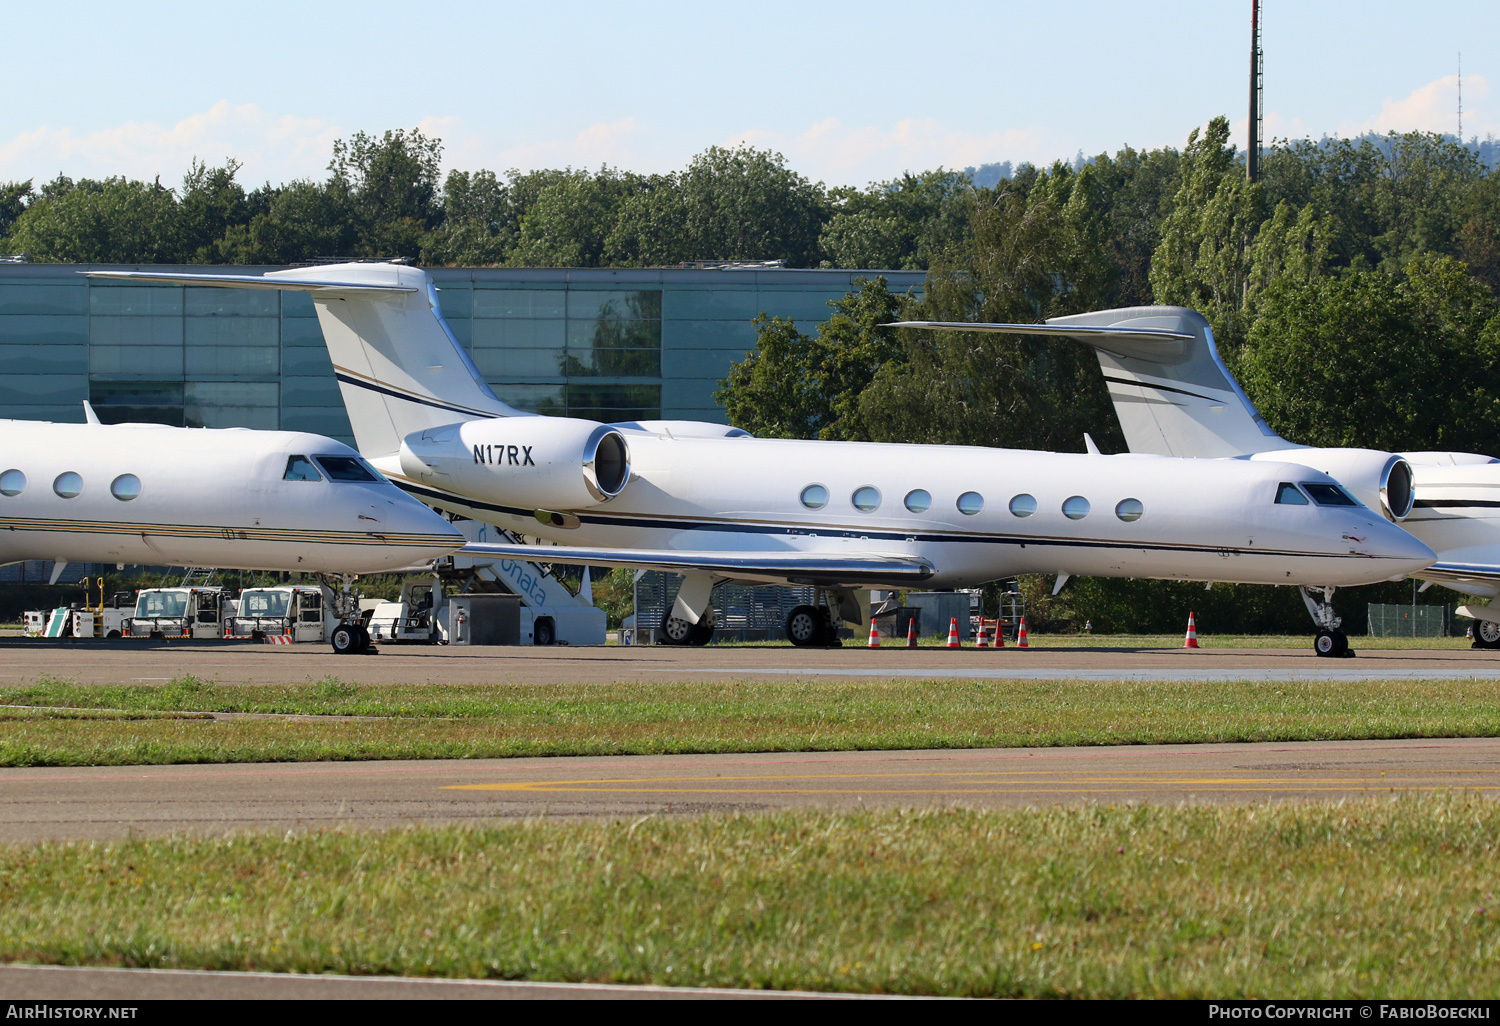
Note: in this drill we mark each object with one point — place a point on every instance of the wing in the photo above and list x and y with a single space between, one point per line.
1461 573
800 568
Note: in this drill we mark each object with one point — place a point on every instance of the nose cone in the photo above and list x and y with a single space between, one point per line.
1395 547
397 532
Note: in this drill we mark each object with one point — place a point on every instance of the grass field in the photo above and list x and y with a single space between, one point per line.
59 723
1382 898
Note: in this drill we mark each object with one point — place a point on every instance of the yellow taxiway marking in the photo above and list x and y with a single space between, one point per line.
1003 782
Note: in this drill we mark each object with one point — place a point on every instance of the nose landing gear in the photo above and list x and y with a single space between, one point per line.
1330 641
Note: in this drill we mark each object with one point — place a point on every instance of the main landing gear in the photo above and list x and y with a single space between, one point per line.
817 625
1330 641
1486 634
690 621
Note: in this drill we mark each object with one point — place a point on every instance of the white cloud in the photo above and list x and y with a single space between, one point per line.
616 143
1432 108
842 154
270 146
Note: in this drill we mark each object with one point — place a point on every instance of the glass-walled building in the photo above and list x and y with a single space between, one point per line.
603 344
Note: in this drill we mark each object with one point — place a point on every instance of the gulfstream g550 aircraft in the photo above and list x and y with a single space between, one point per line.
252 500
1175 397
714 504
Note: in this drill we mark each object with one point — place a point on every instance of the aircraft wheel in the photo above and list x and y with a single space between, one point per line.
1486 634
345 640
544 632
804 627
703 630
1331 644
675 631
364 637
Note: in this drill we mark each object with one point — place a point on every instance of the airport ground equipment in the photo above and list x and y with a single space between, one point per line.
179 613
297 612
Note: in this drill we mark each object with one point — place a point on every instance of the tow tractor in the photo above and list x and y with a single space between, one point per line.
285 613
183 612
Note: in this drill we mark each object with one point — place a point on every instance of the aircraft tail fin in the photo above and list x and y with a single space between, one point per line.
1169 387
399 367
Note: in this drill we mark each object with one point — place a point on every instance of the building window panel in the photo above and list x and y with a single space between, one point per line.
135 300
44 359
519 363
549 303
222 361
139 330
136 361
626 305
232 331
521 332
53 299
216 302
27 329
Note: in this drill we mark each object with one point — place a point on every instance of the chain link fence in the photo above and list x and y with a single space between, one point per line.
1408 621
741 613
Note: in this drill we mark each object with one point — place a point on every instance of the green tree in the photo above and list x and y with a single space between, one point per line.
1204 258
391 187
1367 359
746 204
567 221
212 203
904 223
109 221
477 229
13 197
304 221
794 385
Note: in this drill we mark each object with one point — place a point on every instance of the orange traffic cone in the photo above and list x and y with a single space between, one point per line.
874 635
911 633
983 640
1021 641
1191 641
999 633
953 641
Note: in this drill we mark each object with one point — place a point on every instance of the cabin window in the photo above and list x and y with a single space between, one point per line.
867 499
970 503
1287 494
1328 495
1023 505
12 482
815 496
344 468
125 487
68 485
300 468
1075 507
919 500
1129 510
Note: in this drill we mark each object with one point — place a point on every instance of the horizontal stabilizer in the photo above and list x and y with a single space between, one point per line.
248 281
794 567
1170 389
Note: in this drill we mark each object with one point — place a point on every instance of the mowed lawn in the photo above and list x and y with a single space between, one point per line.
1376 898
58 723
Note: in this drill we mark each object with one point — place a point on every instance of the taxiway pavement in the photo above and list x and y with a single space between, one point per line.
158 662
113 802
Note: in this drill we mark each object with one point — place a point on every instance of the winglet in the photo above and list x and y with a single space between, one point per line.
89 416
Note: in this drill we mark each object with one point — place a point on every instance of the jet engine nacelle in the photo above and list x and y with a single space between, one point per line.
1380 480
530 462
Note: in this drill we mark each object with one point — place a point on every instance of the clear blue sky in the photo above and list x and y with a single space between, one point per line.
850 92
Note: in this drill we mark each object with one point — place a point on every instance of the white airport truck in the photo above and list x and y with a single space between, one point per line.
184 612
285 613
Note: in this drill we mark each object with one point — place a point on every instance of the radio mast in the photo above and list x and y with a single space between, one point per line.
1257 84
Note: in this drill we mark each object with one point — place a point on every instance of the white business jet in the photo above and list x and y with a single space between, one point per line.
714 504
1174 397
252 500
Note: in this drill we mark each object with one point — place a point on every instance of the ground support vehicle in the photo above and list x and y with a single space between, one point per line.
285 613
183 612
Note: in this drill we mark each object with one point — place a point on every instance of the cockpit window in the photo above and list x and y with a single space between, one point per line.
344 468
300 468
1328 495
1288 495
